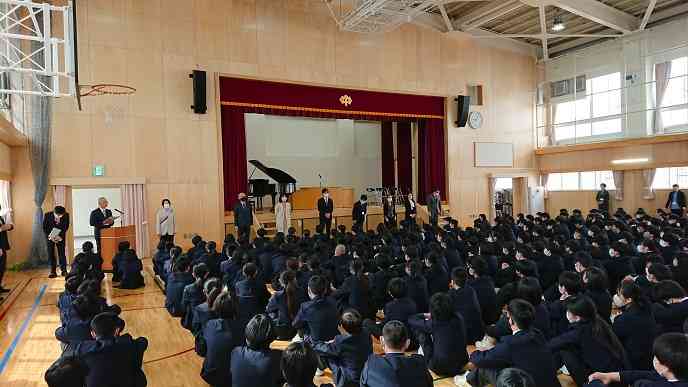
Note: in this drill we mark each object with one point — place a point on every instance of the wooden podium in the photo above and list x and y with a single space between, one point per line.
110 239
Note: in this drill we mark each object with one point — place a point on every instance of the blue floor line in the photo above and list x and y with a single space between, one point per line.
8 354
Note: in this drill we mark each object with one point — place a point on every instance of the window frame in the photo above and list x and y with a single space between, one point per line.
598 181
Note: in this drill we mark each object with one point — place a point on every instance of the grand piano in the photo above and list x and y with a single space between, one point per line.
258 188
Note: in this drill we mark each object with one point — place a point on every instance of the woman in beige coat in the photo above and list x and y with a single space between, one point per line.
283 214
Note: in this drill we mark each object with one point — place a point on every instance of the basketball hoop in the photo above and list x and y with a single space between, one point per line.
105 89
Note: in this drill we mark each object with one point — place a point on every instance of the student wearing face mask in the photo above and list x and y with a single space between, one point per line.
672 309
55 225
243 217
165 224
668 244
635 326
618 266
283 214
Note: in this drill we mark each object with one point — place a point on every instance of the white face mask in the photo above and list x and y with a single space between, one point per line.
166 205
590 233
284 199
618 301
611 252
663 243
326 196
547 252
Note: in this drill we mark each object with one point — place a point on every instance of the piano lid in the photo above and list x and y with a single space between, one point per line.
274 173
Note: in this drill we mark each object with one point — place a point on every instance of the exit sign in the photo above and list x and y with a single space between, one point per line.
99 170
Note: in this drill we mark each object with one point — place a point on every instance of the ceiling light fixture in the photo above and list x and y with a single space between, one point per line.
558 24
631 161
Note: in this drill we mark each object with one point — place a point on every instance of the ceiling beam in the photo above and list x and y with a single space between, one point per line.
550 36
599 13
505 9
543 32
428 20
448 22
509 43
479 12
648 13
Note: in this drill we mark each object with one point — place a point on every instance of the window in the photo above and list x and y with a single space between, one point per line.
667 177
580 181
675 100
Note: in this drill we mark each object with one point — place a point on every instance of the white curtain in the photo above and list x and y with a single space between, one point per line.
6 201
134 208
619 184
543 183
491 188
662 74
60 195
648 177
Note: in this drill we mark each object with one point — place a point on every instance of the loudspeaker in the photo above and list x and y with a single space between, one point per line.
199 104
463 103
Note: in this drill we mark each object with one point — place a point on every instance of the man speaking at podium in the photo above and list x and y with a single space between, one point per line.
101 218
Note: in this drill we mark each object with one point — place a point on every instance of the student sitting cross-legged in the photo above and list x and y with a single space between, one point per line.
255 364
348 352
395 368
525 349
317 318
400 308
670 352
298 365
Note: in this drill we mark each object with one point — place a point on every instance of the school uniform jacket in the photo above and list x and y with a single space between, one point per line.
318 318
487 298
466 304
670 317
395 370
176 282
446 351
636 329
346 356
648 379
215 344
253 368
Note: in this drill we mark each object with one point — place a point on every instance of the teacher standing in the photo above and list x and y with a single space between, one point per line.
101 218
4 247
164 225
283 214
325 210
57 220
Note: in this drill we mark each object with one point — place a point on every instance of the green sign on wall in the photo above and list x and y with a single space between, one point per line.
99 170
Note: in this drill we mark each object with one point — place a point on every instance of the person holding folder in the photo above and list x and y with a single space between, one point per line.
101 218
55 225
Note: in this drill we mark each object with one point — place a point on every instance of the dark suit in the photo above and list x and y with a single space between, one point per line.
358 213
390 214
326 207
395 370
243 218
4 246
49 222
680 199
602 198
434 209
96 220
410 209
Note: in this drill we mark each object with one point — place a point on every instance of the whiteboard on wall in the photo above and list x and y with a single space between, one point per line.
494 154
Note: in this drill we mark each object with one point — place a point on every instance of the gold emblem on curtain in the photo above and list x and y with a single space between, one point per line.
345 100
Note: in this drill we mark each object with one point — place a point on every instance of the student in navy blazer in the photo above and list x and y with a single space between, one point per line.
442 336
635 326
78 327
255 364
193 294
284 305
347 353
485 290
417 286
298 365
251 293
216 341
525 349
317 318
395 368
354 291
202 313
466 303
673 310
176 282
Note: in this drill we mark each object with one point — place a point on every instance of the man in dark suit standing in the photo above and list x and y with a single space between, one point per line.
325 209
4 247
602 198
359 212
58 219
434 207
101 218
243 217
676 202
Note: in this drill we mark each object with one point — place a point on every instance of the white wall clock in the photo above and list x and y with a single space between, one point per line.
475 120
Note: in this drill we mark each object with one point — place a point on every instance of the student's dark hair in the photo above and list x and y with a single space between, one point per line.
584 259
671 349
87 247
352 322
200 271
359 271
415 268
250 270
584 307
59 210
66 371
596 279
522 313
570 281
181 263
162 203
105 324
660 271
441 308
459 275
514 377
123 246
479 266
527 268
669 289
211 246
397 288
529 289
223 306
631 290
85 307
89 288
395 334
288 280
298 365
212 288
259 332
318 285
72 283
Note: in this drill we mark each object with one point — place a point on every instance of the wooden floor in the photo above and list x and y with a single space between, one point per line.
29 317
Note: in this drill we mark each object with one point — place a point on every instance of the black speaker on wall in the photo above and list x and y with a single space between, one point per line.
199 104
463 103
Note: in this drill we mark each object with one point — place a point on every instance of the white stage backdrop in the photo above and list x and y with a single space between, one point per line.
345 152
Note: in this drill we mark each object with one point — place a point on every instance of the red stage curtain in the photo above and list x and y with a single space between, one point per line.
387 154
404 159
234 164
431 160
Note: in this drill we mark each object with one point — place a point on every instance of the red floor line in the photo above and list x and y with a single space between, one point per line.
9 305
169 356
136 294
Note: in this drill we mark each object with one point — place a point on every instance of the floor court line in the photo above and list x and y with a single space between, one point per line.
9 305
8 354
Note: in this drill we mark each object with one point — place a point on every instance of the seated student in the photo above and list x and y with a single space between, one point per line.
354 292
465 302
88 264
416 285
203 312
178 279
442 336
525 349
595 285
175 254
484 289
251 293
212 258
130 269
570 284
78 327
298 365
394 368
112 360
216 341
379 280
231 268
284 304
317 318
670 362
64 301
162 255
619 264
192 295
514 377
635 326
348 352
255 364
680 268
92 289
435 274
589 345
66 372
400 308
672 309
118 259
